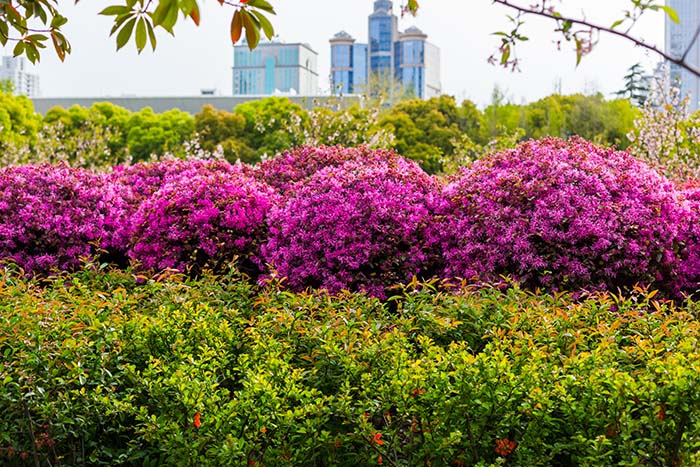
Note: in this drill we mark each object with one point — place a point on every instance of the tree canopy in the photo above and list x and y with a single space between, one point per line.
32 24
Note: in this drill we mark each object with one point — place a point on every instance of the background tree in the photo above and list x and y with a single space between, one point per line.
636 86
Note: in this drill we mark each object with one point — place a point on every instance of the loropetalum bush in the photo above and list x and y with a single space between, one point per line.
354 227
138 182
202 218
560 214
53 217
289 167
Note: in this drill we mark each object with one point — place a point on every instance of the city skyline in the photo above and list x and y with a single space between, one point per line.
201 57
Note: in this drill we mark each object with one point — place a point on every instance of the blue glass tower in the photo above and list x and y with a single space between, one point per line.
348 64
383 33
390 54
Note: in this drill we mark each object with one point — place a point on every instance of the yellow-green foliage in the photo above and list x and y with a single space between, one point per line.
97 369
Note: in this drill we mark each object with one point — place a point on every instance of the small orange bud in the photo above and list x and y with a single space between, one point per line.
197 421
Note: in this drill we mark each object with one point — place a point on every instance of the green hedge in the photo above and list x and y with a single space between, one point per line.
100 368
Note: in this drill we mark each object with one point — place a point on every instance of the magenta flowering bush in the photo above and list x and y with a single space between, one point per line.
289 167
689 268
138 182
202 218
354 227
52 217
563 214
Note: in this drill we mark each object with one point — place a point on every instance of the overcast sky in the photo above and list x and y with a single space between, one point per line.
201 57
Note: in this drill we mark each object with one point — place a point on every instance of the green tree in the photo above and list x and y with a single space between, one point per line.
273 124
426 130
149 134
19 123
216 128
636 86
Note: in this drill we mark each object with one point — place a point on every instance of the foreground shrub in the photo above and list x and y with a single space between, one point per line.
561 214
53 217
355 227
202 219
211 372
289 167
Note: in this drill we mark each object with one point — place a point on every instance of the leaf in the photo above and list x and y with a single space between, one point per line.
19 49
252 29
125 33
672 14
140 34
58 45
265 25
617 23
151 34
236 27
261 5
194 14
114 10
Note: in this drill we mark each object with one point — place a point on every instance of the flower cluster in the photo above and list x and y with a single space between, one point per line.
354 227
289 167
560 214
136 183
202 218
52 217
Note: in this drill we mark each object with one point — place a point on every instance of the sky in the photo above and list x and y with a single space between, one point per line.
202 57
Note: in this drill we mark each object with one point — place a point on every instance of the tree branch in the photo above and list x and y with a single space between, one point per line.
636 41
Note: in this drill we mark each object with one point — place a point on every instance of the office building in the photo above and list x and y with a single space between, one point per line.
678 39
15 70
348 64
389 53
275 68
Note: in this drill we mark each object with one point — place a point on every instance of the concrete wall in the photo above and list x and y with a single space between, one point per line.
190 105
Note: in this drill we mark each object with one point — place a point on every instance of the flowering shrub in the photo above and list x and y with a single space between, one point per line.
52 216
355 227
554 213
290 167
138 182
202 219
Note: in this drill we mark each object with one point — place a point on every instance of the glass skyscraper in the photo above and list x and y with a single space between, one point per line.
405 56
275 68
678 39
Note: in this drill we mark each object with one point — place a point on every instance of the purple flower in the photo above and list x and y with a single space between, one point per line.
557 213
354 227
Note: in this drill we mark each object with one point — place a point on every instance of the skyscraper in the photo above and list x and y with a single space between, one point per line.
14 69
405 56
678 39
275 67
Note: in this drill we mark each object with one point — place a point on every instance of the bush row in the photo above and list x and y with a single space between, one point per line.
551 213
98 370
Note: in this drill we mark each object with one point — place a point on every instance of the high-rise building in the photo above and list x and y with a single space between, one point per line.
389 54
14 69
348 64
679 37
275 68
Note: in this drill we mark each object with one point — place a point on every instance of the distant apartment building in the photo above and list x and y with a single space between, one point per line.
275 68
405 56
678 38
14 69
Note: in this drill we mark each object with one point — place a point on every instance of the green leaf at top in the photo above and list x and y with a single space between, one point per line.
265 24
140 34
125 33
